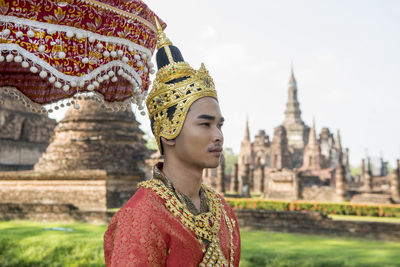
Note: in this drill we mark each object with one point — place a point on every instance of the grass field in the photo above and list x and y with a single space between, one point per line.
30 244
25 243
260 248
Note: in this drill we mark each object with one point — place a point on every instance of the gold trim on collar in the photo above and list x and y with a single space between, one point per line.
205 225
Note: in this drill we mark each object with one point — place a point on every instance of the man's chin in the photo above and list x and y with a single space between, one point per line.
212 164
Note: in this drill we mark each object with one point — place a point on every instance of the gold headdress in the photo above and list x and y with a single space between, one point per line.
175 88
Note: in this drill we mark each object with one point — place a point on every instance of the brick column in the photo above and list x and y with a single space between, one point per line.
395 181
339 179
221 178
296 186
245 190
367 176
262 182
362 170
235 179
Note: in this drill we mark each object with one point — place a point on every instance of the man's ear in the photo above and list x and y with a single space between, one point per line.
168 142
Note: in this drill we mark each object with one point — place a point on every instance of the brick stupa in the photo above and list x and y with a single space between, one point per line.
94 161
91 138
24 135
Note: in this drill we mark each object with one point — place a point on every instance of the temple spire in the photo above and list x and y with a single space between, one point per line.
312 151
292 112
247 131
312 138
292 79
338 141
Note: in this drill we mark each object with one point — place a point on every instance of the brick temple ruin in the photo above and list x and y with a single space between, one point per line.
298 165
93 161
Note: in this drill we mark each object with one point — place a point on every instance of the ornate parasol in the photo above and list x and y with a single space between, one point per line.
54 52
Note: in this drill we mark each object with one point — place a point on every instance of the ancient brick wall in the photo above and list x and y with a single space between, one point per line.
91 190
319 193
280 185
85 195
51 213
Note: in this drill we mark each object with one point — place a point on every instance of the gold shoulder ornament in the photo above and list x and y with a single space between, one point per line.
205 225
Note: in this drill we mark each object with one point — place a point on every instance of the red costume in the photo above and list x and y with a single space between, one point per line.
152 229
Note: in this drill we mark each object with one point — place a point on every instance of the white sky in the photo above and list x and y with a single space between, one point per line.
346 58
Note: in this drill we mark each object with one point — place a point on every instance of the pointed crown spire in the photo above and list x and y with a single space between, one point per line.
176 86
162 39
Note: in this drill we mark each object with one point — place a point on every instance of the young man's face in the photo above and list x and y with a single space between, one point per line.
200 140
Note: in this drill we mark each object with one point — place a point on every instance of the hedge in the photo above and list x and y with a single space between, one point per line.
387 210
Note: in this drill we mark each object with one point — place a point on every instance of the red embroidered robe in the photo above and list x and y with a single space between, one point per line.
145 233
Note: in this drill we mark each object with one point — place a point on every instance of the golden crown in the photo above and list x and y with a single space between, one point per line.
175 88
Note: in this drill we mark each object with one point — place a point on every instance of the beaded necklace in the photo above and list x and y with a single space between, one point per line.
205 225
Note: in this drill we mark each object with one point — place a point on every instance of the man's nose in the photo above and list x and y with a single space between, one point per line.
218 136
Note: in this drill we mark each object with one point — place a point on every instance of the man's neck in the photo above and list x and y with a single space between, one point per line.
186 179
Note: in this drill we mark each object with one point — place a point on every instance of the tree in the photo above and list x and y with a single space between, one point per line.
230 159
150 141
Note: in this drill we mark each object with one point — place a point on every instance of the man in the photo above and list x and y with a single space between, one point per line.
173 219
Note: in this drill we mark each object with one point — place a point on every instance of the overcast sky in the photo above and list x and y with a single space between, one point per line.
345 54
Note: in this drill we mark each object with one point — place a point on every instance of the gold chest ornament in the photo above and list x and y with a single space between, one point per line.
205 226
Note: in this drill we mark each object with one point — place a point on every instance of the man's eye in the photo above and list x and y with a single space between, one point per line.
207 124
220 125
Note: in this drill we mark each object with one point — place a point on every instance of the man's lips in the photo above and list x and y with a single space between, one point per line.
216 149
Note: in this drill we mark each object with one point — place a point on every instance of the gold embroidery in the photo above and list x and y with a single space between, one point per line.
122 12
158 174
205 225
168 103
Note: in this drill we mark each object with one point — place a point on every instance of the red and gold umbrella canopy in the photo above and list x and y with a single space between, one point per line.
52 52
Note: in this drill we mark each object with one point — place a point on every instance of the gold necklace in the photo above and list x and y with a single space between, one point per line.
205 225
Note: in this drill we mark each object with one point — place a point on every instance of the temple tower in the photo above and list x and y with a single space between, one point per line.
296 130
280 156
326 143
246 150
312 159
245 155
261 149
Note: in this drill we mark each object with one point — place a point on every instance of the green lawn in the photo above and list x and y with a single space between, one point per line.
29 244
261 248
25 243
